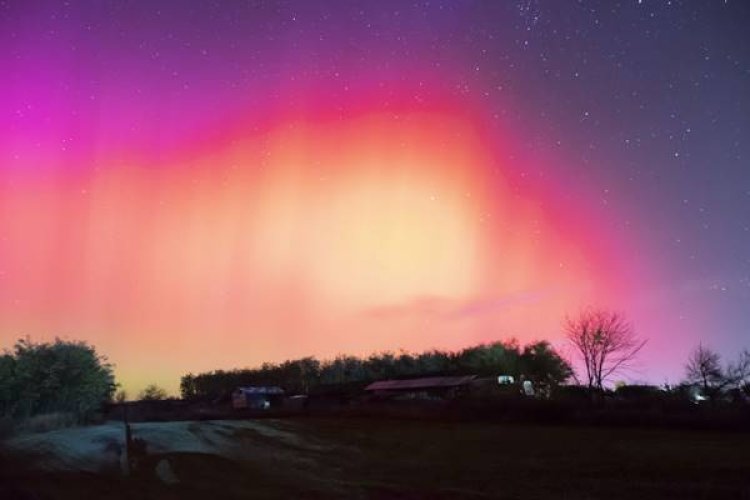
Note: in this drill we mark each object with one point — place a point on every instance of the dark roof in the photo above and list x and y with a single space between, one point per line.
420 383
260 389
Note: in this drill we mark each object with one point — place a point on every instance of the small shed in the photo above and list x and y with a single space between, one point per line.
257 397
422 388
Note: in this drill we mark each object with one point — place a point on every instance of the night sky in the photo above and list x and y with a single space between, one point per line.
201 185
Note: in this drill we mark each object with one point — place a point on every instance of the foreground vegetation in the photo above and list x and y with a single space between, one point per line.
63 378
366 458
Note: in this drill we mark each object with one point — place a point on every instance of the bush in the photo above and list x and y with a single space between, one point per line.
50 378
573 393
152 392
639 392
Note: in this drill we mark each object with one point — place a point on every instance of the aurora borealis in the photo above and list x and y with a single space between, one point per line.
200 185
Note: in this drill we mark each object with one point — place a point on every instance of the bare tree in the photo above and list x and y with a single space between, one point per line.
704 368
738 372
605 343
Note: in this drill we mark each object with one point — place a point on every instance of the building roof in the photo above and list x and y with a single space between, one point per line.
420 383
260 389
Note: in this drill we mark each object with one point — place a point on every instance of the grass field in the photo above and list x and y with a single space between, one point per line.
371 458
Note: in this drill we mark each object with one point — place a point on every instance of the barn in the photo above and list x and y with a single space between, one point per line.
422 388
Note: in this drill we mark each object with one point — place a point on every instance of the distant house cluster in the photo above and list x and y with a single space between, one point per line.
423 388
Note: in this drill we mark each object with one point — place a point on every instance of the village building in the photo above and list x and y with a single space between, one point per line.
257 397
422 388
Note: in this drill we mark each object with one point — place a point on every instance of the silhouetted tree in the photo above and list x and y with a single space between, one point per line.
188 386
490 359
8 384
121 396
604 342
152 392
59 376
307 373
543 365
704 368
342 369
738 372
433 362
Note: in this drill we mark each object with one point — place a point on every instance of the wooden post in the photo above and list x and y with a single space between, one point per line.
128 438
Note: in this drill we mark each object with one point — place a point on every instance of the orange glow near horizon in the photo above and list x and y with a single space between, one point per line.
309 238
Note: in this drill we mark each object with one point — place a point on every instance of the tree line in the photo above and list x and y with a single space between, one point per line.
537 361
71 377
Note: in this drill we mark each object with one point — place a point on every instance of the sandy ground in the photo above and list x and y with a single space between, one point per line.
101 448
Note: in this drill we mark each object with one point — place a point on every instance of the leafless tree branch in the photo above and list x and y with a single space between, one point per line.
605 342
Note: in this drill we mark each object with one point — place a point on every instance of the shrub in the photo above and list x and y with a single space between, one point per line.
638 392
54 377
573 393
152 392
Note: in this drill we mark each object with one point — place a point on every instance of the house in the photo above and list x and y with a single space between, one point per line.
422 388
257 397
